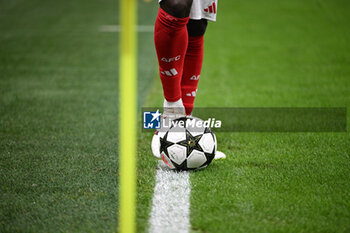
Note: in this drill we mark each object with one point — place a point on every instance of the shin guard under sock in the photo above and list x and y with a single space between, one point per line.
171 39
191 71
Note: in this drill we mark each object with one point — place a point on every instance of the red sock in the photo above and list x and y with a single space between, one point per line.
191 71
171 39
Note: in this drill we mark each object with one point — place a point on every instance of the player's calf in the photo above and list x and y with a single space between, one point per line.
191 71
171 39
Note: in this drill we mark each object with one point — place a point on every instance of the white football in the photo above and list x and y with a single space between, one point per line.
187 146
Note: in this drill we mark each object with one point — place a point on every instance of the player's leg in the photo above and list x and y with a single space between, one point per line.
192 67
193 62
171 39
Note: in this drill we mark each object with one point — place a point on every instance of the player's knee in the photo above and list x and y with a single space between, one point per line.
196 27
177 8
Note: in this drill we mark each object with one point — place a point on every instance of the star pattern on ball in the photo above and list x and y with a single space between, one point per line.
164 143
191 143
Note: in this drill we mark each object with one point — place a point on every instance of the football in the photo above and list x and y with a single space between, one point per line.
188 144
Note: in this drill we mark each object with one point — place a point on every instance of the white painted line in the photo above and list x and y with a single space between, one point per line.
171 202
117 28
145 28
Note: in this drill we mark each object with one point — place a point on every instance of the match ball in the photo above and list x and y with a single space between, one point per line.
188 144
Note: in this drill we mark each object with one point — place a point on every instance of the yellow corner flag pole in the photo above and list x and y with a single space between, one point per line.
127 113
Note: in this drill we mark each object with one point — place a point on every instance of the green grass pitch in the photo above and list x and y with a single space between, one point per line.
270 54
58 116
59 106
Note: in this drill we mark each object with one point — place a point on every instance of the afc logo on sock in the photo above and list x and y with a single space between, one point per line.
171 59
151 120
195 77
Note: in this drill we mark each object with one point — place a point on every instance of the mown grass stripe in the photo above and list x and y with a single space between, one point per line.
117 28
